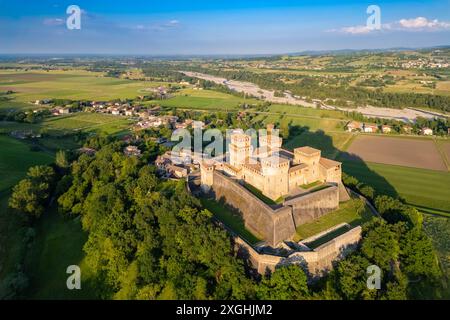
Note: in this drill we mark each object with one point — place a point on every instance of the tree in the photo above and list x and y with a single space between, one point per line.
417 255
30 195
380 244
286 283
393 210
61 159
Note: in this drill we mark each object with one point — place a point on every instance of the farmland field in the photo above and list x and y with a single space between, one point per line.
425 189
73 84
205 100
415 153
88 122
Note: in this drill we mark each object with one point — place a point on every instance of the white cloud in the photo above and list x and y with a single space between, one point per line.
423 23
413 24
357 30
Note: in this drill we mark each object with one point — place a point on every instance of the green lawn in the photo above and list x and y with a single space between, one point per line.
15 159
425 189
354 212
59 244
328 237
231 219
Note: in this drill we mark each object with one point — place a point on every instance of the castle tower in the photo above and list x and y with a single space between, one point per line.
207 176
240 148
271 142
311 158
276 176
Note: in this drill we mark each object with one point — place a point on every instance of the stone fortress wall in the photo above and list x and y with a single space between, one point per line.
316 262
274 225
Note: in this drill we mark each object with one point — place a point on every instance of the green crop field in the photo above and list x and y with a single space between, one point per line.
87 122
205 100
73 84
425 189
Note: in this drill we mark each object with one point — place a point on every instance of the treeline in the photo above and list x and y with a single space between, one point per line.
25 116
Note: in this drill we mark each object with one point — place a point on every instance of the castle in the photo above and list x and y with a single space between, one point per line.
276 172
302 186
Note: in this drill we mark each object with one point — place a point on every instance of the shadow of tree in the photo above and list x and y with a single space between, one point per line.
352 164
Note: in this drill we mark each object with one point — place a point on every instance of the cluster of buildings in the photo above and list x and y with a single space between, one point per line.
424 63
119 109
153 121
373 128
178 164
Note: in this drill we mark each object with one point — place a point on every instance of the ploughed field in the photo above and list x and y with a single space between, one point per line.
416 153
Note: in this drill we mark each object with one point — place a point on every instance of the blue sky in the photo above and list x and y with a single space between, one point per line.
219 27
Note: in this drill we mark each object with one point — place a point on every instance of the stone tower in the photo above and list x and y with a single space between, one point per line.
207 176
272 141
240 148
276 176
311 157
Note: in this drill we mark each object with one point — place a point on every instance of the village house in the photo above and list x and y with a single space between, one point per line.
370 127
60 110
386 129
354 125
132 151
177 171
407 129
87 151
427 131
183 125
173 165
